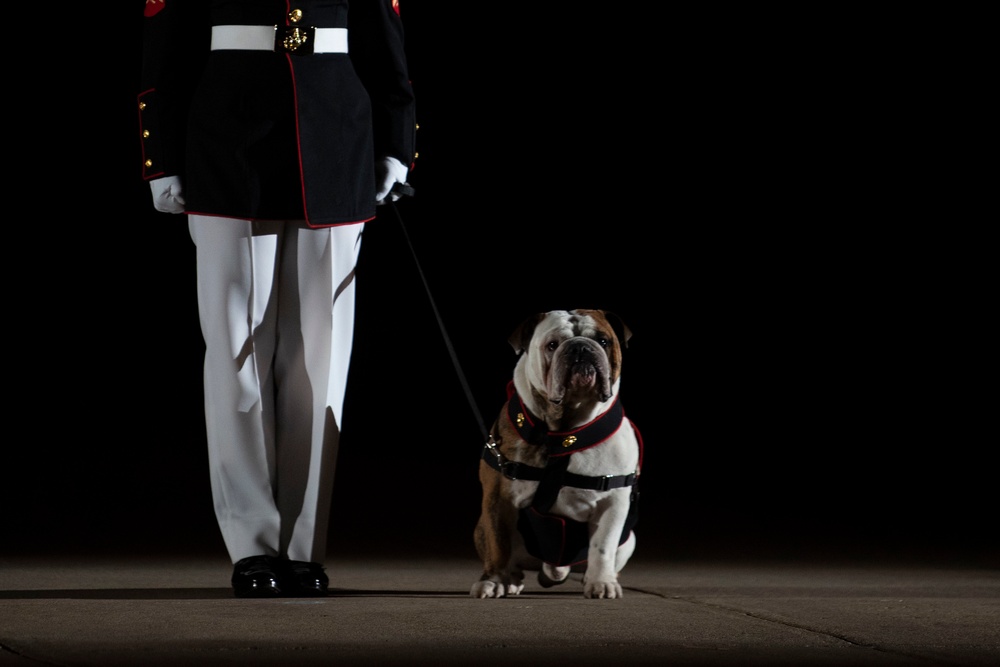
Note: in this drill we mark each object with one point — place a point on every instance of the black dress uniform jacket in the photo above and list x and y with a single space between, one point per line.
275 135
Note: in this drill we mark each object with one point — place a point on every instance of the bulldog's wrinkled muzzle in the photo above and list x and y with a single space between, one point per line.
580 367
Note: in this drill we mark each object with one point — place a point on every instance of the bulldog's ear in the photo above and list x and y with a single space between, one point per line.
619 326
521 338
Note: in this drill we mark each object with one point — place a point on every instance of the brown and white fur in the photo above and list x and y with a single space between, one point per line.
568 373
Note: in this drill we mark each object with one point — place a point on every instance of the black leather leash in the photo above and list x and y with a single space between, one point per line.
491 454
406 190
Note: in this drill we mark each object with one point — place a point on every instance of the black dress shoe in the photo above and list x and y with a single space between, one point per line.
256 577
305 579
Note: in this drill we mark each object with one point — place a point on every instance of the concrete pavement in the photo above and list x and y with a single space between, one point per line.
89 611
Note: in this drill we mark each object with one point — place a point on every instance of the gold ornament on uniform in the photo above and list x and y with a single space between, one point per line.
520 419
569 441
295 39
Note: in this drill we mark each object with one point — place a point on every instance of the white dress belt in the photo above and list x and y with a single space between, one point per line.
266 37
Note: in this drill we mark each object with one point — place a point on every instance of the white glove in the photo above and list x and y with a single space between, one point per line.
168 194
388 172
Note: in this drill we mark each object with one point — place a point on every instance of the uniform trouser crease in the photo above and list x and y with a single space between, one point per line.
276 304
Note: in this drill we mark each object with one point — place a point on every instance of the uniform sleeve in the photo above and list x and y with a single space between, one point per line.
175 44
375 31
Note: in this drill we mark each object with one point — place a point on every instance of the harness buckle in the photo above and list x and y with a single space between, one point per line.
509 469
605 483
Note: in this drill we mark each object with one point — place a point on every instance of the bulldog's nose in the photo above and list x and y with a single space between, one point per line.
579 351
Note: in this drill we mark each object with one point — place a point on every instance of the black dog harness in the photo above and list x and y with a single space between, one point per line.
554 539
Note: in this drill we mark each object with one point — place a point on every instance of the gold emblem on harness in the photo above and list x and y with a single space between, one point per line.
569 441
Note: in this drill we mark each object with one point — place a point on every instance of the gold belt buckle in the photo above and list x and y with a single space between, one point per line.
298 40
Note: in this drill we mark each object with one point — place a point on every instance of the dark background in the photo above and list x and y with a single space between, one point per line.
805 368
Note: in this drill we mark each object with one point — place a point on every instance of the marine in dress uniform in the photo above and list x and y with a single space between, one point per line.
276 126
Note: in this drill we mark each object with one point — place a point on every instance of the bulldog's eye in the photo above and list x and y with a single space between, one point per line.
553 344
603 342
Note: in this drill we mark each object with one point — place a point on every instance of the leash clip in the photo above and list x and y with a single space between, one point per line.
492 446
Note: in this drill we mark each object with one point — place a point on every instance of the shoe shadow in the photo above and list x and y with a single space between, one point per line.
120 594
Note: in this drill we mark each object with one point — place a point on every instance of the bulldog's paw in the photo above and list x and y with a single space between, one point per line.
602 589
490 588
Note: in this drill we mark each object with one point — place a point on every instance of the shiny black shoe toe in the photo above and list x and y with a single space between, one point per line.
256 577
305 579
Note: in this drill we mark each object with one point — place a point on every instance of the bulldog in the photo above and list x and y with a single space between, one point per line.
559 471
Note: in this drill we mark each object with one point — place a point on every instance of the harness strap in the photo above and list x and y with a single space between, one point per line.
562 443
552 481
516 470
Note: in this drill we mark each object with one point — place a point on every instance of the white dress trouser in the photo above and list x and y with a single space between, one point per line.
276 304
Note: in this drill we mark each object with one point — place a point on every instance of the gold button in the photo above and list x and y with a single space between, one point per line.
142 105
416 126
145 133
295 15
416 155
569 441
148 163
520 419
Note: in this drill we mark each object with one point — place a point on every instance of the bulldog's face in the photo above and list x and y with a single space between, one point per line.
570 356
